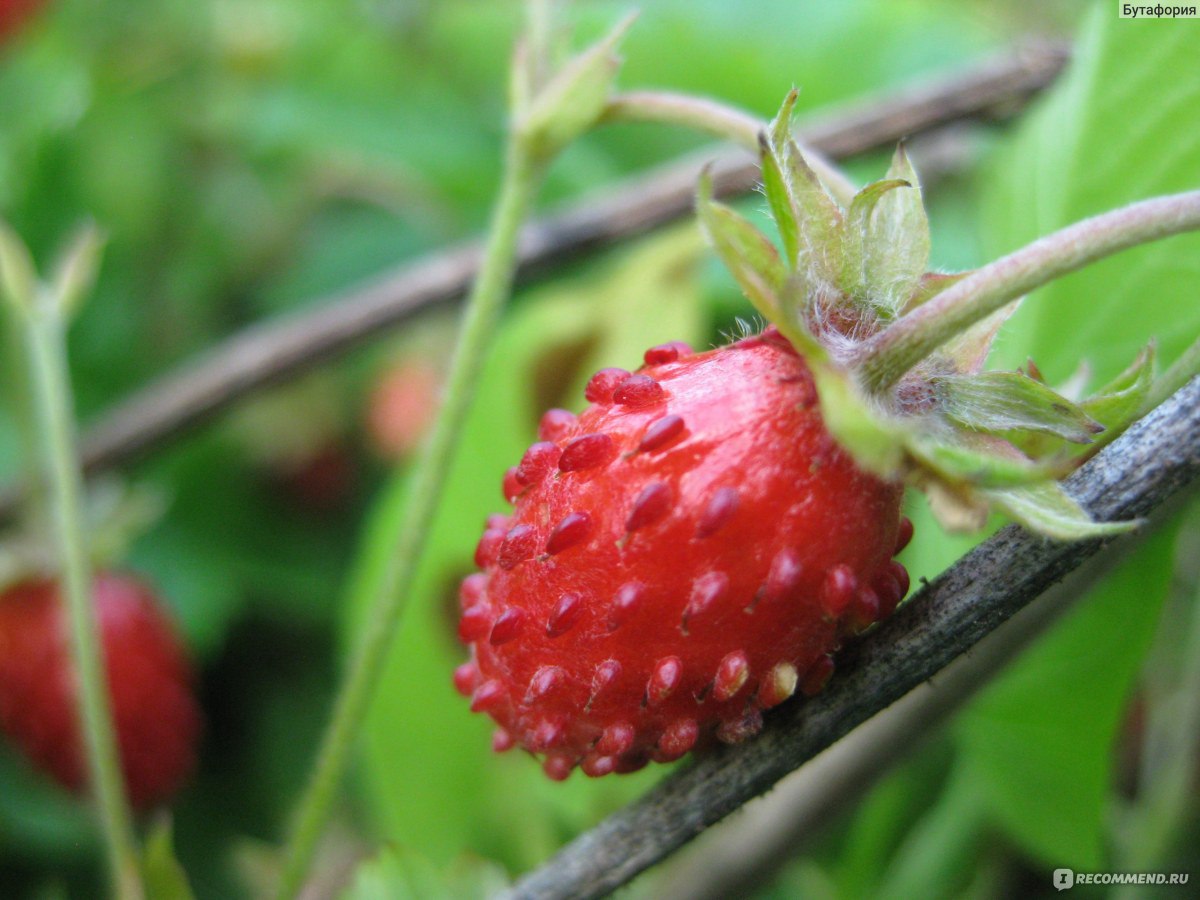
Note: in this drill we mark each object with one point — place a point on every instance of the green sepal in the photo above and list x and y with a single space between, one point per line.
795 192
1114 406
929 286
779 199
1121 400
779 132
856 240
1012 401
876 442
977 460
1048 510
748 254
896 248
966 353
573 99
821 251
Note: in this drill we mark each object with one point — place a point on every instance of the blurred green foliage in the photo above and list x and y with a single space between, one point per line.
249 157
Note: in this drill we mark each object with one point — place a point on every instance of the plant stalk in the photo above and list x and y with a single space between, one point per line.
884 359
520 181
43 329
720 120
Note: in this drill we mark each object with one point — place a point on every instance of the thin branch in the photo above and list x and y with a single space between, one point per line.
275 351
1156 459
895 350
723 121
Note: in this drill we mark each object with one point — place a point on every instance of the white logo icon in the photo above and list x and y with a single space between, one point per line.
1063 879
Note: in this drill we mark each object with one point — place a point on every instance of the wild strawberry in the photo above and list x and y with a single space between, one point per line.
14 14
401 408
155 714
683 555
692 548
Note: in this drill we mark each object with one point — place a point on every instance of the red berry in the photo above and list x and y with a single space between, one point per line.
155 713
14 14
701 550
402 407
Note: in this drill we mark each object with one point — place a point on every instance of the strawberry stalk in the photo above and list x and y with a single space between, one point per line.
550 109
482 312
886 357
41 312
718 119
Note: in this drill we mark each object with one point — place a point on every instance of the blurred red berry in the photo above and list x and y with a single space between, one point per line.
14 14
402 408
150 682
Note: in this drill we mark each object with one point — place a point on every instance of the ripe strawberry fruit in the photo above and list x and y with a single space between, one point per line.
683 555
691 549
155 714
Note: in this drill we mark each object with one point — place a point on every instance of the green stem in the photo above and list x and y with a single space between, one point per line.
47 359
720 120
887 356
521 177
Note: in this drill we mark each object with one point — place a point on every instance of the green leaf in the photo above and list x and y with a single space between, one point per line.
938 856
162 874
1047 509
896 246
750 257
398 874
1009 401
1110 132
573 100
1038 743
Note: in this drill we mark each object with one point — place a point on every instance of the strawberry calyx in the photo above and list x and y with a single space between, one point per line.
840 276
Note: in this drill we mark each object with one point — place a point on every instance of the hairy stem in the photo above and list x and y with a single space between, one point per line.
47 359
895 350
721 120
484 305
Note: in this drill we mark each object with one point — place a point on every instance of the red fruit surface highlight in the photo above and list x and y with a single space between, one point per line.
729 546
154 711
